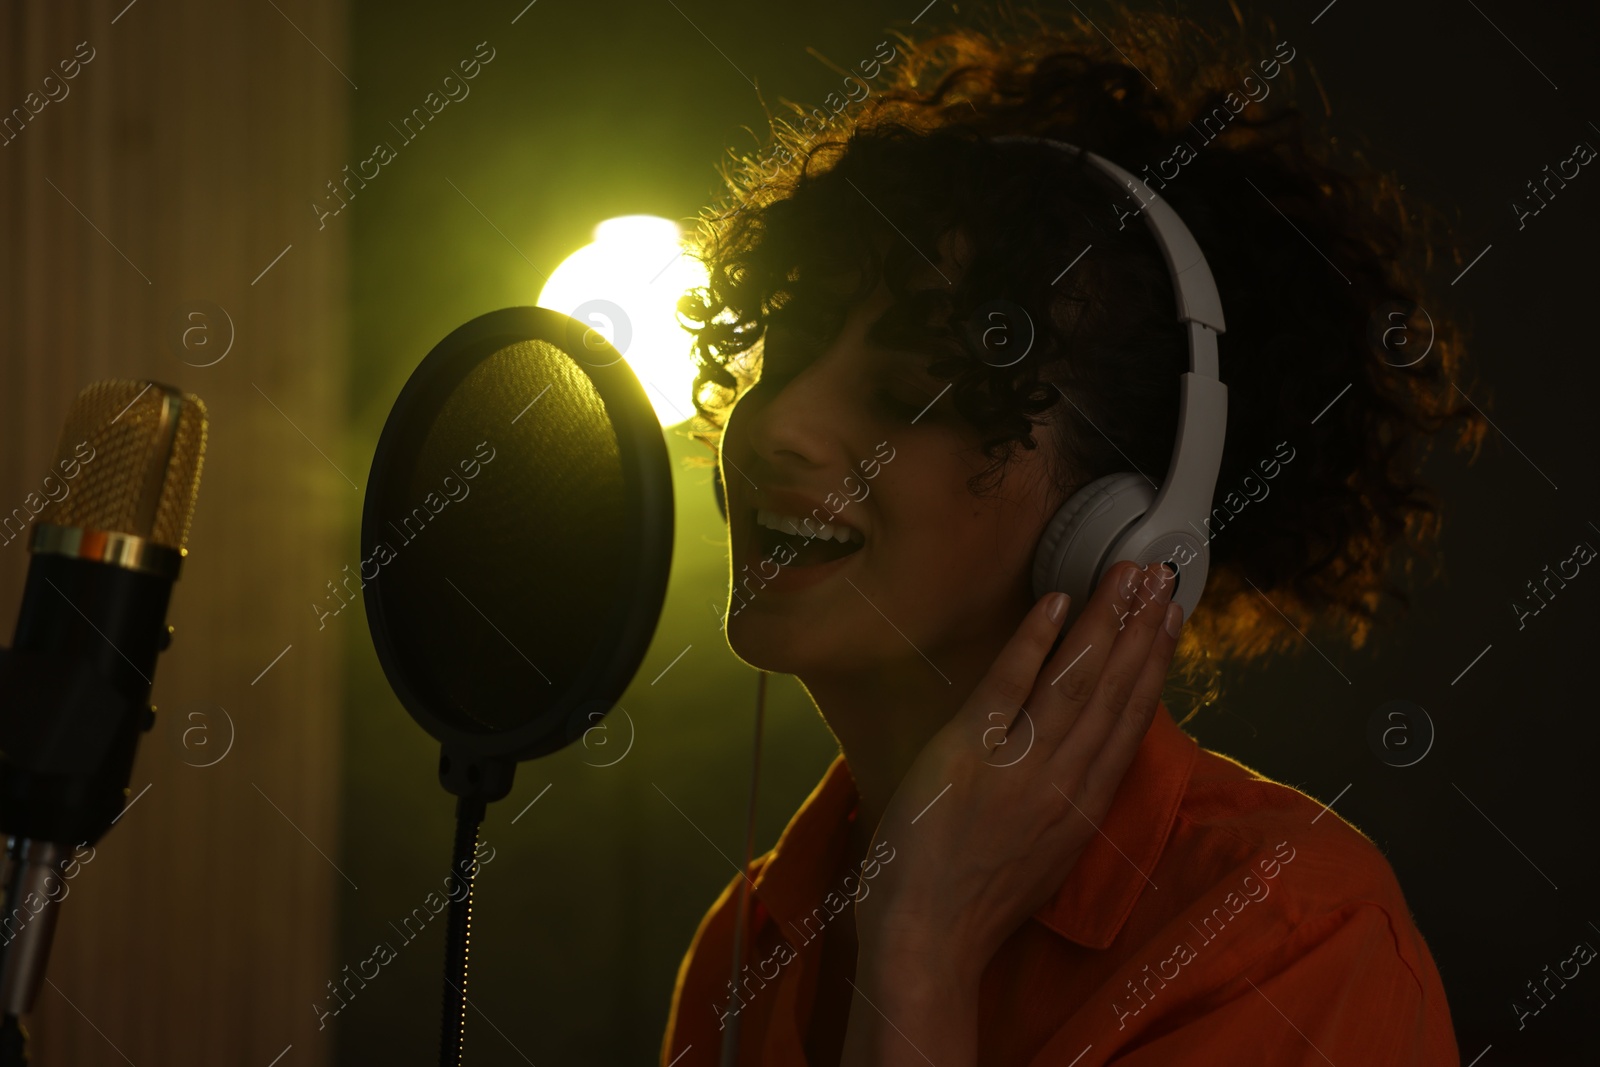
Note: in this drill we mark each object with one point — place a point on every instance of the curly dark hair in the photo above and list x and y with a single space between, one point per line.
1315 265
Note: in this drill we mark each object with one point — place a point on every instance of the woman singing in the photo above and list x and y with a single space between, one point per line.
918 341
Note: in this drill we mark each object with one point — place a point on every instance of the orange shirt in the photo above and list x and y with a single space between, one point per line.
1218 918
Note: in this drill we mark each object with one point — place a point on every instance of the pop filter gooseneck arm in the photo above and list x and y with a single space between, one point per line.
458 932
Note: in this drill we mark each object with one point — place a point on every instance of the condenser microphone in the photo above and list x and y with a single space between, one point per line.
75 684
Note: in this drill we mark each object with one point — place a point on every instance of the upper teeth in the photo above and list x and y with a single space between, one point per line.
808 528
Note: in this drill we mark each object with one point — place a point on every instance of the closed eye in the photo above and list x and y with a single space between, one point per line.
896 406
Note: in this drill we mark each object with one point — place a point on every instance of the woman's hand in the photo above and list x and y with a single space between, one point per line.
997 808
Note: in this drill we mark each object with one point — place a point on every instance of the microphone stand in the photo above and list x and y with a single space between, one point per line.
28 867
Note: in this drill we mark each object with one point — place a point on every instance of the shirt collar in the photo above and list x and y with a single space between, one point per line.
1091 905
795 878
1116 865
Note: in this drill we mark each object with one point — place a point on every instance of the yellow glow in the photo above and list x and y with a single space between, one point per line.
636 264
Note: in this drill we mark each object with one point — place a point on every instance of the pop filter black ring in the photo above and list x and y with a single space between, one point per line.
648 509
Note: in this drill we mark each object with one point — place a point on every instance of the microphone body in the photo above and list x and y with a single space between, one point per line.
76 689
75 684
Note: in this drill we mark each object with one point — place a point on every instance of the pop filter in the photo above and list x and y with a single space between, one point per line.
515 546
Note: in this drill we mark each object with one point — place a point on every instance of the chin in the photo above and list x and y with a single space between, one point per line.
783 643
767 642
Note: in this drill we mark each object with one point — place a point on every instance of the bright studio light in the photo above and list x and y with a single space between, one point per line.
626 285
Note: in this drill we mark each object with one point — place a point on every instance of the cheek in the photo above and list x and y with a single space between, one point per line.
953 557
964 562
943 517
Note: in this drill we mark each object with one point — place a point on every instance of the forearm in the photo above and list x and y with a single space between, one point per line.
909 1008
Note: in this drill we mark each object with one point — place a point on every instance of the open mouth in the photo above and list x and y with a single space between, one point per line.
810 542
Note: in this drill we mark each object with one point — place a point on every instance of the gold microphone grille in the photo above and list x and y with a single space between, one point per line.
135 449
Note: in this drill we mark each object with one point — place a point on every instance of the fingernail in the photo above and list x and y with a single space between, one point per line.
1174 619
1125 591
1058 607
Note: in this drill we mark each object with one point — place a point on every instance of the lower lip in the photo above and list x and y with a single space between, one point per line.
788 578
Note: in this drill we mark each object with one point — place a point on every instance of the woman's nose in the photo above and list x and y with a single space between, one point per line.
801 419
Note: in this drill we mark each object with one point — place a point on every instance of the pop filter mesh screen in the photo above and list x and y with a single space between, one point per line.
503 548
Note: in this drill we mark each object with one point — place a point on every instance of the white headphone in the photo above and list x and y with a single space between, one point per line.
1120 516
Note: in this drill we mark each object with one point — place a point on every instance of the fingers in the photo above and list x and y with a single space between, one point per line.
1068 681
1004 689
1106 769
1107 733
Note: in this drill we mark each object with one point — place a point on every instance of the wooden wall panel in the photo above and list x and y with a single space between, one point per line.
179 164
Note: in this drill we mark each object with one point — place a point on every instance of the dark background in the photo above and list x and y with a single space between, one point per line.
607 108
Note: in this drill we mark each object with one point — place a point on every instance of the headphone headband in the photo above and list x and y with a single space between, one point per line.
1120 516
1196 290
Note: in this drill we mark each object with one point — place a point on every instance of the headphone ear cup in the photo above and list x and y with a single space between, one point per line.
1076 540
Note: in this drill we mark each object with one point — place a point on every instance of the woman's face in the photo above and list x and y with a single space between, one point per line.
925 566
